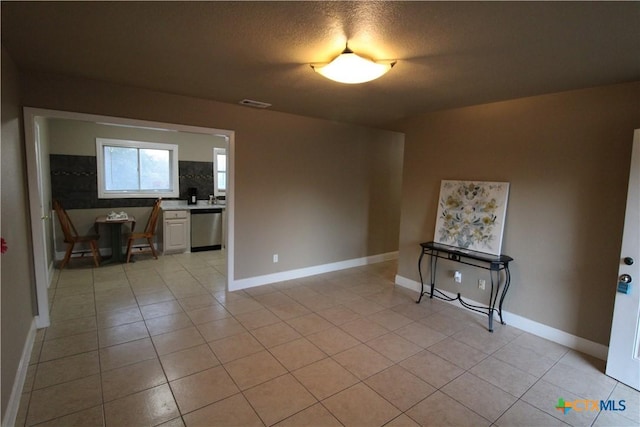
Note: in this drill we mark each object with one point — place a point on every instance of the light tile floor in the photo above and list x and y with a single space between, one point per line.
160 342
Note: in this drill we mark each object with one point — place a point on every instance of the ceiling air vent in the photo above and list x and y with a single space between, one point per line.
254 104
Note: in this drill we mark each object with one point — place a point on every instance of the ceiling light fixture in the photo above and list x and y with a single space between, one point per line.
352 69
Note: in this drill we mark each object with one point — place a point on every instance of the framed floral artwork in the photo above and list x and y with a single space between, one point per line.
471 215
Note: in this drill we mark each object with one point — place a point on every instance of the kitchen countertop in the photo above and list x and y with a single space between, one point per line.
181 205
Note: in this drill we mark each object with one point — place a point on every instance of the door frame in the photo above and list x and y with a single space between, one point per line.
34 171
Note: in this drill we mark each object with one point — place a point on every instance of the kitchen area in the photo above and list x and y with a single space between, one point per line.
193 225
193 219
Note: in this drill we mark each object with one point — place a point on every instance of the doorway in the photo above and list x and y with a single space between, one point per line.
39 201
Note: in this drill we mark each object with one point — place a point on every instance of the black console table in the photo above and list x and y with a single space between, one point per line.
494 263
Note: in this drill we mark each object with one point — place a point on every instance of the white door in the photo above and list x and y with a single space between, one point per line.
39 216
45 208
623 362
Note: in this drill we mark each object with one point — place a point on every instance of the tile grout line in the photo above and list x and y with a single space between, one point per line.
312 286
155 349
104 412
320 401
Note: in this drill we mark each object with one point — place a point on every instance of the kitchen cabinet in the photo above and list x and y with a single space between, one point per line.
176 231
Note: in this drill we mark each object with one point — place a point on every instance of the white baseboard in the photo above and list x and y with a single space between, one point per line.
251 282
9 417
408 283
552 334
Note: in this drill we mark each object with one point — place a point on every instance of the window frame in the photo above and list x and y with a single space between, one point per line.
173 192
216 189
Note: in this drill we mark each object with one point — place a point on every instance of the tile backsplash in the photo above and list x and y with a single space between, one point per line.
74 182
198 175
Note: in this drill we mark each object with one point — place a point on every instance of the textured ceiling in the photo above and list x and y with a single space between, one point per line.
450 54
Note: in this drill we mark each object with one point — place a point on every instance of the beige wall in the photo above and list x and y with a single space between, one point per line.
18 285
306 189
76 137
566 156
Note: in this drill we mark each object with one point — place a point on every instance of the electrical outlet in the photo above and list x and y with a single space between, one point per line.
275 258
457 277
481 284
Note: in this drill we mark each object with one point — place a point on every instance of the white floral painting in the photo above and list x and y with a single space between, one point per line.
471 215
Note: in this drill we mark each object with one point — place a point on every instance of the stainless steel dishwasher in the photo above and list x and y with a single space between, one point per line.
206 229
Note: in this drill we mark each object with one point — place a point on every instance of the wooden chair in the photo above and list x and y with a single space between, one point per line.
148 233
71 237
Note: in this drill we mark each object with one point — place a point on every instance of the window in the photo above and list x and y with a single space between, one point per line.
220 171
135 169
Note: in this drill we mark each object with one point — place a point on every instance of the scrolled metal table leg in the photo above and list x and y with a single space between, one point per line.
421 280
492 301
434 264
507 282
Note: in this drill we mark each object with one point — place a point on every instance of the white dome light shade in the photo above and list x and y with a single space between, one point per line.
352 69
